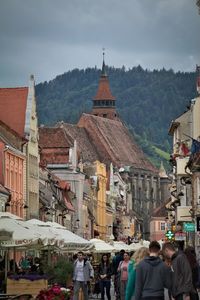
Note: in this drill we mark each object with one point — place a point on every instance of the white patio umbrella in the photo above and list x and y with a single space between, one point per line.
47 236
119 245
135 246
21 236
145 243
72 241
8 214
101 247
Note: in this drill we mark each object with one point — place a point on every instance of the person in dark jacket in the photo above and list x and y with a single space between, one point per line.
105 272
191 256
181 272
115 263
152 276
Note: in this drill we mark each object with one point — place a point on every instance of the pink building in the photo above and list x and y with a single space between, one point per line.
158 224
12 168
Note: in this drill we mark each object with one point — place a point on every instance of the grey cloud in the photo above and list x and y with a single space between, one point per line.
49 37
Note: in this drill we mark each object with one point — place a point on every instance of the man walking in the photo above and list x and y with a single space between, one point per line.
83 272
181 273
152 276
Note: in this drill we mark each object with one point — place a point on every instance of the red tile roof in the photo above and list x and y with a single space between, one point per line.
86 149
114 143
53 137
13 103
69 205
97 139
160 211
103 92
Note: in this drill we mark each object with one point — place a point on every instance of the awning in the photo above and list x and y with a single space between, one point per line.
69 205
64 185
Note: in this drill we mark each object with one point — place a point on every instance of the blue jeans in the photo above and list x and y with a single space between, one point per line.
105 284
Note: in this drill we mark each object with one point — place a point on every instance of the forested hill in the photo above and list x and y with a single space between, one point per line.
147 101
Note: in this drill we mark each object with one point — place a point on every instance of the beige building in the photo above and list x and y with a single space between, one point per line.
185 190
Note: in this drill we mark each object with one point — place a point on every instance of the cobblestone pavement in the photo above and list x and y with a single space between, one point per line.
95 296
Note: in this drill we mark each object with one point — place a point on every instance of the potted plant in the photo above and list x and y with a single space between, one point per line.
60 273
54 293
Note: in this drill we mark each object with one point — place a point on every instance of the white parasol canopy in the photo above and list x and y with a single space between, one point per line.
136 246
101 247
9 215
72 241
47 236
20 234
119 245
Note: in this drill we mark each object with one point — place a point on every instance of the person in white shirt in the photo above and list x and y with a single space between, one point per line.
83 272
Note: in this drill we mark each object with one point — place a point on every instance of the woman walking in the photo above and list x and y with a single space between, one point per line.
105 272
123 279
137 257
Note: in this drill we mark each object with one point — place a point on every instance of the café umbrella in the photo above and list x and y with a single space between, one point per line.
15 233
101 247
47 236
72 241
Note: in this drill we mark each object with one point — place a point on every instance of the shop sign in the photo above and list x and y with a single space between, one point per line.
189 227
180 236
169 234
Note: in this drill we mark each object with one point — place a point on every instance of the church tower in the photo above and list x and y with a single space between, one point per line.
104 101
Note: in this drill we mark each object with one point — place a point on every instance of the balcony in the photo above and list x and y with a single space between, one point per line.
181 163
183 214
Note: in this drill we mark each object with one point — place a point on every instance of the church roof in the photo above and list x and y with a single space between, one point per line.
85 147
97 139
114 143
13 102
103 91
160 211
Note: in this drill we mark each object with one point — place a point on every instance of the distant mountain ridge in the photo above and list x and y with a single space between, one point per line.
147 101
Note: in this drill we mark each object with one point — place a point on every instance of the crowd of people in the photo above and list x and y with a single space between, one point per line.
144 275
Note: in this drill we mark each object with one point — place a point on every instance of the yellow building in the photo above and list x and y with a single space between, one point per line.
101 199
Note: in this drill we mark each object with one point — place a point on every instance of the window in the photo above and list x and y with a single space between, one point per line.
162 226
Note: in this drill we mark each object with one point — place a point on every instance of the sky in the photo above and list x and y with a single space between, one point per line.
47 38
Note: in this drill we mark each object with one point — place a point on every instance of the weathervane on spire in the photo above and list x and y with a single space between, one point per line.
103 72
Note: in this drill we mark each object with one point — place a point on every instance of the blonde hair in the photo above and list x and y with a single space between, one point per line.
140 255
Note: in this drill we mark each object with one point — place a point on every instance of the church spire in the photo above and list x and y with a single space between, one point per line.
104 101
103 71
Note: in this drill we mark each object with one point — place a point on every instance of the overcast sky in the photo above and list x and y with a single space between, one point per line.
49 37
